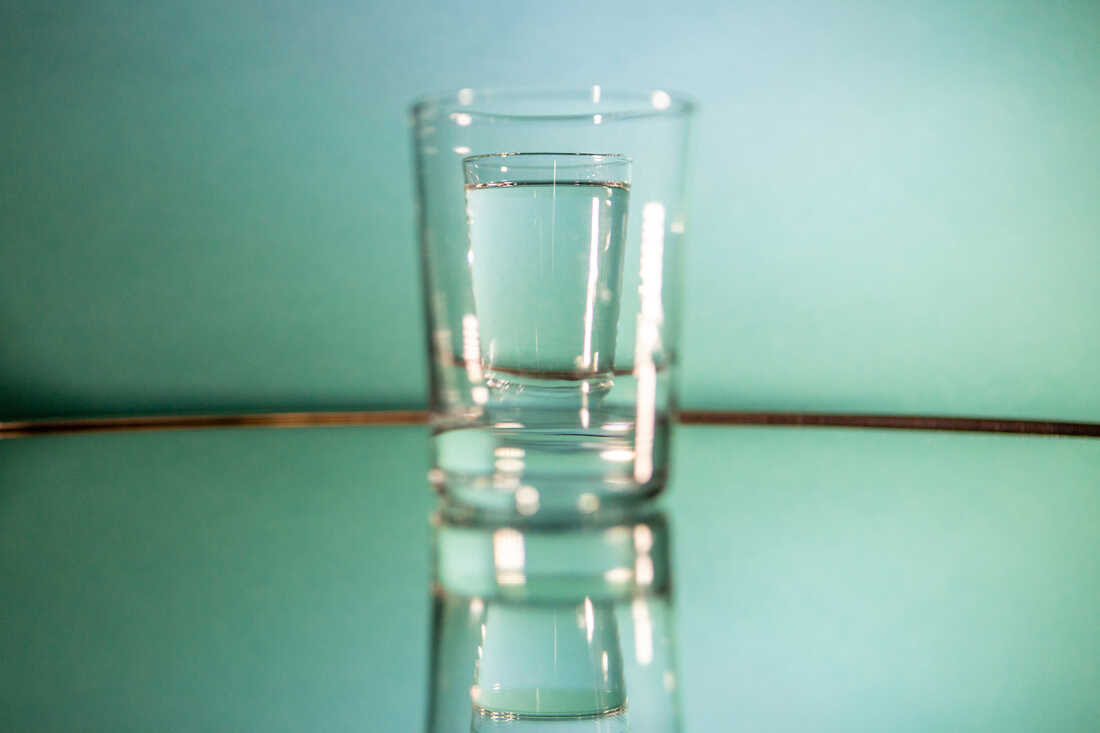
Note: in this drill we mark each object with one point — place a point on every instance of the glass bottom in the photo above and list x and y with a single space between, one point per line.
550 704
523 387
611 721
549 462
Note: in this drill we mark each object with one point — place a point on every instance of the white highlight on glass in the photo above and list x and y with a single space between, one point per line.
643 632
462 149
588 502
527 500
462 119
477 606
643 569
617 455
597 119
465 96
586 416
509 465
648 337
593 277
595 94
643 563
618 575
471 355
509 556
660 99
589 619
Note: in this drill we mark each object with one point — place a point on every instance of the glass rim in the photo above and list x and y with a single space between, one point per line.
592 158
490 169
462 104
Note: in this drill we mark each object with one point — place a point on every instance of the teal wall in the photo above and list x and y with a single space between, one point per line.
207 205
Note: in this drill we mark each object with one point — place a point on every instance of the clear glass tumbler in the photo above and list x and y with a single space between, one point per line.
551 229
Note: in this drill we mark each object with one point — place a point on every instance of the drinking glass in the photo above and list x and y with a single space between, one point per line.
551 230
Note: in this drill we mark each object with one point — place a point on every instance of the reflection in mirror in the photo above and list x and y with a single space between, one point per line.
548 628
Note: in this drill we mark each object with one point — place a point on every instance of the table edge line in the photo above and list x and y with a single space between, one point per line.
337 418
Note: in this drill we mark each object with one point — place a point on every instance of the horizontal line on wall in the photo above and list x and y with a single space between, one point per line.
25 428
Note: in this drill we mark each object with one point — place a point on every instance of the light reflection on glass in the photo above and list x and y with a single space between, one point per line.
593 278
643 631
471 355
508 556
618 575
527 500
588 502
648 337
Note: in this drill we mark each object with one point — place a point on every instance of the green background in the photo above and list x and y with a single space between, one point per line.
208 205
277 580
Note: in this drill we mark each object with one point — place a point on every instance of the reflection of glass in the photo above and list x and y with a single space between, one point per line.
551 629
552 304
557 661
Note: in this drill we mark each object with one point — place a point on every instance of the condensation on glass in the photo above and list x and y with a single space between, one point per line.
551 232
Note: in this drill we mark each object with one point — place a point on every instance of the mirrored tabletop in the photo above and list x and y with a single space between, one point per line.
279 579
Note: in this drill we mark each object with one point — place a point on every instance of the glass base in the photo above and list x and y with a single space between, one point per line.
550 464
517 386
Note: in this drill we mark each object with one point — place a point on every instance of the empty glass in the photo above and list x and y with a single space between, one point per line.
551 283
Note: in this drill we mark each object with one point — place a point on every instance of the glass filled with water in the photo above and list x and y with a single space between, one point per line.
547 234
